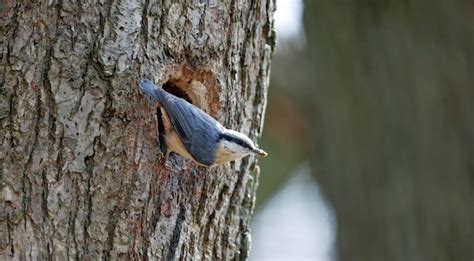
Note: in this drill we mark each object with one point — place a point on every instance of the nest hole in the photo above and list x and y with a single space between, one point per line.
161 131
177 91
196 84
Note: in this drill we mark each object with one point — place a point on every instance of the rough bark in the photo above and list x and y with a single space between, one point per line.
81 174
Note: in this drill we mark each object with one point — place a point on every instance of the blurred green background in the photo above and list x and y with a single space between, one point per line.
378 96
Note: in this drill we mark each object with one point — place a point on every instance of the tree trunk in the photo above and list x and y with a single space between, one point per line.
391 97
82 175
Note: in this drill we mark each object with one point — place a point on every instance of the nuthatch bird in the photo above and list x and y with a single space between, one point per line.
195 135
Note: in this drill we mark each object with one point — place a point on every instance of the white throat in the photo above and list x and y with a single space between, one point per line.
232 146
229 151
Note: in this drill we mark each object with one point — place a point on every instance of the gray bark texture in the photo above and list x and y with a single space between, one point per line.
81 172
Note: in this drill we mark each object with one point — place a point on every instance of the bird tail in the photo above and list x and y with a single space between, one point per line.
150 88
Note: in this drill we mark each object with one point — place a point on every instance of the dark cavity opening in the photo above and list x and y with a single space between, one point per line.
176 91
161 131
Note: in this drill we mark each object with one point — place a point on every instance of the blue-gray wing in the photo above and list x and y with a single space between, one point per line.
198 131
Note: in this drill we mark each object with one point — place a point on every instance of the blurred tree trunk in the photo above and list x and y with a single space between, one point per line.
81 175
392 93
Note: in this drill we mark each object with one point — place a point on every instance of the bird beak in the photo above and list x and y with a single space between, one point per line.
260 152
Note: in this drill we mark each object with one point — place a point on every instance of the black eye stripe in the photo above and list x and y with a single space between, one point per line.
235 140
